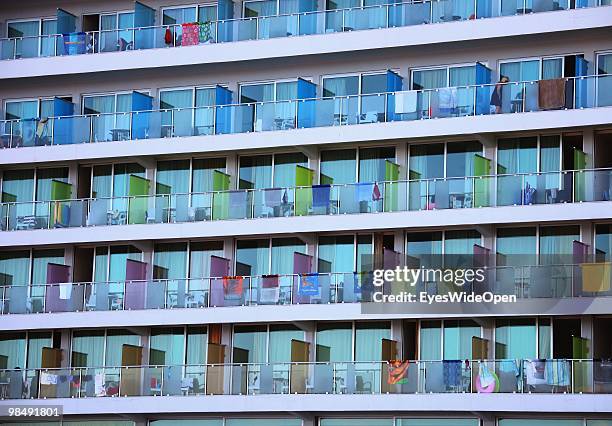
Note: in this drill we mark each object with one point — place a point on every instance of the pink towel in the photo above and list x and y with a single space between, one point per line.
191 34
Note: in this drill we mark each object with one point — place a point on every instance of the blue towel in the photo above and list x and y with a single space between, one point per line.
452 373
74 43
321 195
363 191
557 372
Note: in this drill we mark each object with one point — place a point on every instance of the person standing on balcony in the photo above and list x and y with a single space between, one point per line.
496 96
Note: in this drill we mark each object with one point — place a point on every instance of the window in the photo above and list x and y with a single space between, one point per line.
338 166
260 344
356 422
24 186
556 243
116 31
110 121
201 422
263 422
438 77
88 348
14 268
31 108
112 268
515 338
373 163
358 84
172 177
268 92
27 43
115 339
166 346
461 242
424 244
604 70
452 159
336 254
267 171
170 261
368 340
447 339
603 243
456 246
334 342
531 422
426 161
345 342
516 246
261 257
12 350
199 257
437 422
543 68
192 111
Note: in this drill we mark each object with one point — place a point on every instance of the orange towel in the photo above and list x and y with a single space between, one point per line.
551 93
595 277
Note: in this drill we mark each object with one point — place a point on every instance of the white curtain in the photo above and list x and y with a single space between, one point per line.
91 344
255 172
280 342
515 339
172 259
37 341
340 165
282 254
12 348
284 168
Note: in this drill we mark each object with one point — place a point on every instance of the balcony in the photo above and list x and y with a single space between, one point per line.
568 186
575 376
276 26
574 93
531 282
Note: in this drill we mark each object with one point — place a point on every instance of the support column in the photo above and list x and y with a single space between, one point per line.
396 334
401 158
488 234
488 329
147 256
399 242
65 347
487 419
69 260
228 252
587 235
588 146
231 168
73 177
489 143
586 332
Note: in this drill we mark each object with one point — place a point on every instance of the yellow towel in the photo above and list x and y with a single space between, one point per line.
595 277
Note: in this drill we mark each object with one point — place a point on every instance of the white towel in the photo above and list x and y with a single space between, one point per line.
269 294
99 384
48 379
447 97
187 383
65 291
406 102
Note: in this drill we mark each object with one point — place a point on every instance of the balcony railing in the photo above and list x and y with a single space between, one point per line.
553 281
562 376
464 101
568 186
275 26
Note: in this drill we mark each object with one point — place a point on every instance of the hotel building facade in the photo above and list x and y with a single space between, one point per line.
195 194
